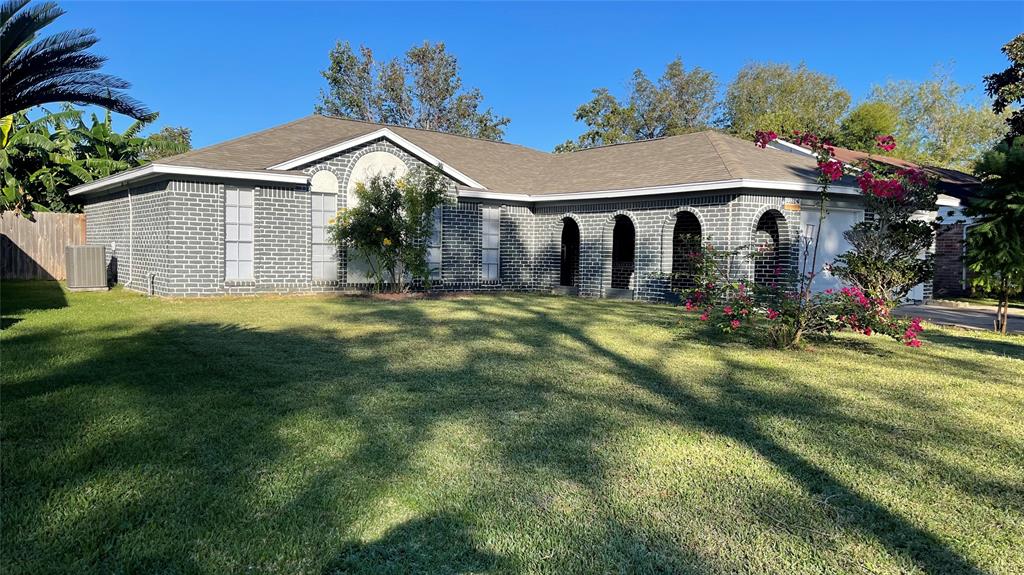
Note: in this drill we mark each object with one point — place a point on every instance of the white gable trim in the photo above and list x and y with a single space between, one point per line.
742 183
165 169
392 137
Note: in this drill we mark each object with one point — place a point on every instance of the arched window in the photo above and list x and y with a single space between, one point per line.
686 244
323 197
324 182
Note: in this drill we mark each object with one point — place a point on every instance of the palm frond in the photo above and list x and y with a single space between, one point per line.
22 25
57 68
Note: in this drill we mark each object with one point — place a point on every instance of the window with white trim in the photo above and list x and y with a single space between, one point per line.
325 253
323 195
434 246
238 234
490 242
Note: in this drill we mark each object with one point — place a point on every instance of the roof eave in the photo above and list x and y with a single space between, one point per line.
156 170
736 183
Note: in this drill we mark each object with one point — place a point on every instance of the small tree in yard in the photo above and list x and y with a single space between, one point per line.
995 245
886 260
390 225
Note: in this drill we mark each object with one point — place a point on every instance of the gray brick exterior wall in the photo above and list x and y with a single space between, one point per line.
179 231
137 238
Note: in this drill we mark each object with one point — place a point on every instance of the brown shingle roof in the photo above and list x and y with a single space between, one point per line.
501 167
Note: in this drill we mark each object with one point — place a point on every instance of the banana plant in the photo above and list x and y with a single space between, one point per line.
43 158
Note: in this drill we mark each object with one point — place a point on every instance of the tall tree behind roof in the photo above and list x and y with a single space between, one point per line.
865 123
56 68
783 99
422 90
682 101
936 124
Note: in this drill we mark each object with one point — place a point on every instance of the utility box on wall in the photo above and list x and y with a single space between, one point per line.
86 268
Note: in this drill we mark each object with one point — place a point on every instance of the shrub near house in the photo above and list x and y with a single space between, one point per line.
787 308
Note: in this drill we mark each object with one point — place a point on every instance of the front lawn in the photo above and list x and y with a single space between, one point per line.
509 433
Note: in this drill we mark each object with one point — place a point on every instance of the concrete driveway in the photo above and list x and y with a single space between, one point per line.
965 316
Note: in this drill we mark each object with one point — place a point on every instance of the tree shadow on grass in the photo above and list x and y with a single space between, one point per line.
731 416
271 448
440 544
1012 347
19 297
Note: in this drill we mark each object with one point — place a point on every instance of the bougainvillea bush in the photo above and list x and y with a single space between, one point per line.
782 310
775 311
890 250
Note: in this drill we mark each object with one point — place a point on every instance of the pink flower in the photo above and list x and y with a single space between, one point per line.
735 323
887 143
913 175
689 305
744 311
867 331
704 316
772 314
727 309
914 343
762 138
832 169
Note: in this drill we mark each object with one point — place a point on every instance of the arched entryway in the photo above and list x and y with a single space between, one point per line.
686 243
767 247
570 254
623 253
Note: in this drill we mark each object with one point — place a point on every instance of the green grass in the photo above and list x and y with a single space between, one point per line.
510 433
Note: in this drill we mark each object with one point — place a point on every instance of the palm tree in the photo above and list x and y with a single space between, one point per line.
56 68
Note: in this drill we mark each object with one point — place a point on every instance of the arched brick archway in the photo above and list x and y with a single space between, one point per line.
618 252
771 244
569 253
682 233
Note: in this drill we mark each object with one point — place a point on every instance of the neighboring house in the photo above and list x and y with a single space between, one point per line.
249 215
955 189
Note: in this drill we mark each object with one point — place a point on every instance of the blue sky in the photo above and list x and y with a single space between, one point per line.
227 69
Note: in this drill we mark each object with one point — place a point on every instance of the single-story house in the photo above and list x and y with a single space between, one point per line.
249 215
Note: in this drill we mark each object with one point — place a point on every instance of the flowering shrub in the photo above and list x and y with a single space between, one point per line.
886 260
775 313
390 224
784 309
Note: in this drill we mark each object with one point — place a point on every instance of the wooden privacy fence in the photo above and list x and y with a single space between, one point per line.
35 250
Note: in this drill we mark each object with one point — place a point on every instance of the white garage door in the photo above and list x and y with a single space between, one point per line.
832 242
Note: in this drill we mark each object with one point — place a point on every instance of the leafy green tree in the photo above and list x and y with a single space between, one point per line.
390 225
935 126
783 99
423 90
860 128
57 68
995 244
682 101
43 158
31 162
1007 87
169 141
